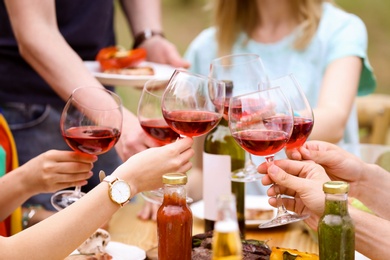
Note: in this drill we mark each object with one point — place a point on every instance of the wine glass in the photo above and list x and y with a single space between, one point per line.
91 122
262 122
153 123
193 104
303 113
245 73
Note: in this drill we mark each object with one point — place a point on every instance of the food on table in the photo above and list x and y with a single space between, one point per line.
116 59
251 250
279 253
132 71
259 214
94 248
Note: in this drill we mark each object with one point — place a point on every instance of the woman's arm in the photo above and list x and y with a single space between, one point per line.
50 171
59 235
338 91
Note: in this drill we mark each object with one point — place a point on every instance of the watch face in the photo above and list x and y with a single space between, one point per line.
120 191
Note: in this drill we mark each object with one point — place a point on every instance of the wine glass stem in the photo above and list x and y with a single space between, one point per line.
77 190
279 200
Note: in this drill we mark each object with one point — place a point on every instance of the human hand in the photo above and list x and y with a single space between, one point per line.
56 170
302 181
133 138
338 163
160 50
148 211
144 170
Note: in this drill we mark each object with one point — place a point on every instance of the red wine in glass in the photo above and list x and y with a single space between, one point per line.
301 131
262 142
159 130
91 139
191 123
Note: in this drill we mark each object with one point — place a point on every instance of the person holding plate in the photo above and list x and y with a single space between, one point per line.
42 48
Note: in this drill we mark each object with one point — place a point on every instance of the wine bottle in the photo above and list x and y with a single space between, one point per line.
221 156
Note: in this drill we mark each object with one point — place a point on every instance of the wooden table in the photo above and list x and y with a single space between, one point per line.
126 228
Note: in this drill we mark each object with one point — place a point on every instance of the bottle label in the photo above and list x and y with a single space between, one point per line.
216 181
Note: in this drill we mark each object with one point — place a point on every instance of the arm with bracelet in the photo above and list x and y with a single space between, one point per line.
144 17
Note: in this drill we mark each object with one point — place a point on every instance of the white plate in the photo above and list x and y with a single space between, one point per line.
161 71
120 251
251 202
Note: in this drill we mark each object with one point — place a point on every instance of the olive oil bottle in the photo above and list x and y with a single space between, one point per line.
336 230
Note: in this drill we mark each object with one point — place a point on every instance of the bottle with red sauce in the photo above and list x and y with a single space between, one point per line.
174 220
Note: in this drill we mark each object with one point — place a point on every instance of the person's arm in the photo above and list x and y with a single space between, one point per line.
44 48
145 15
50 171
59 235
372 234
338 91
304 182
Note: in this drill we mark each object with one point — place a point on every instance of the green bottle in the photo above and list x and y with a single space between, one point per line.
221 156
336 230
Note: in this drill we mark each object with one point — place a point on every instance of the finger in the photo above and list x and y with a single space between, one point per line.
282 178
294 154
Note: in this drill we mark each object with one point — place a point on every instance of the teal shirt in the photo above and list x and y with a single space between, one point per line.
340 34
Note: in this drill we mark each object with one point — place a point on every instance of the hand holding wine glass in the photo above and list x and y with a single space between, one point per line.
91 123
153 123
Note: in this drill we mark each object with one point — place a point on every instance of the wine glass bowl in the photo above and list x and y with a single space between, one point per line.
91 122
303 113
150 115
261 122
193 104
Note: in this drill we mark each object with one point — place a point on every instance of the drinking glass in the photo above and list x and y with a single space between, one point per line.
262 122
303 113
153 123
91 122
193 104
245 73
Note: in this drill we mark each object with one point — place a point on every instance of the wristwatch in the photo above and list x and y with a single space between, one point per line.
119 191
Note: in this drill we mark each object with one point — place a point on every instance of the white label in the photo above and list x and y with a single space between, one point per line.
216 181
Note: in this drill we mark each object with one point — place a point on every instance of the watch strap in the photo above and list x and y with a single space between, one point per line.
144 35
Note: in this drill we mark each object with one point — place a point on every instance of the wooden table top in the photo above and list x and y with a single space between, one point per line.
126 228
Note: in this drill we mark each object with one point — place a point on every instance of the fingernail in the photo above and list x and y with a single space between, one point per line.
273 169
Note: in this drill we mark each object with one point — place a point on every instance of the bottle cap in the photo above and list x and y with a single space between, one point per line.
336 187
174 178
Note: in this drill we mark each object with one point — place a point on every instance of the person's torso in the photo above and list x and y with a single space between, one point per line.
87 25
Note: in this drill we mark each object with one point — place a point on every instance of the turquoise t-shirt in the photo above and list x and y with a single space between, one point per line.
340 34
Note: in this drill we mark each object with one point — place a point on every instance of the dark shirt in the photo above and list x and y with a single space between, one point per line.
87 25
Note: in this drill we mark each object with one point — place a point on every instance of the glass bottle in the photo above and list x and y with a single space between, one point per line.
226 242
221 156
336 230
174 220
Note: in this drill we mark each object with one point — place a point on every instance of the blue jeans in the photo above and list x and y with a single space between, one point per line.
36 129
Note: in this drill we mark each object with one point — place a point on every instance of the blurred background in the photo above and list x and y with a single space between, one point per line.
183 20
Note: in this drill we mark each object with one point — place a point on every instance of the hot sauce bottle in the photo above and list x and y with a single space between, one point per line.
174 220
336 231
